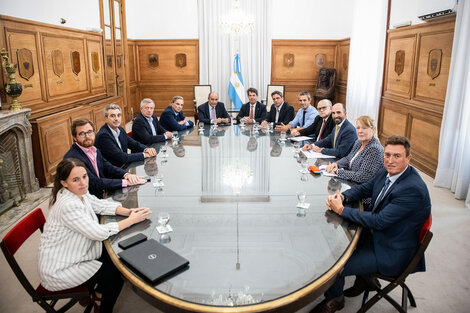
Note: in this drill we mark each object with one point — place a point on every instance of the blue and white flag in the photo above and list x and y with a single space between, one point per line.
236 89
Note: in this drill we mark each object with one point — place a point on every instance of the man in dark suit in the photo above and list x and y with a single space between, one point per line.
172 118
113 141
281 112
146 129
400 205
212 111
253 110
341 139
102 175
322 125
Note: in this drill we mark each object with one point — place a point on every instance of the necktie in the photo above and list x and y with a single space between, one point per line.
213 116
154 132
382 193
321 130
303 119
252 113
277 114
336 135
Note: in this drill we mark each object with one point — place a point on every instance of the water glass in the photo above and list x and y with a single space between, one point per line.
296 149
201 126
163 219
175 136
283 136
163 150
301 195
304 165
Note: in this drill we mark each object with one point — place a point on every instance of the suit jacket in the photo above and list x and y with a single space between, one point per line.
344 141
314 129
110 176
367 163
286 114
108 146
260 112
396 221
204 114
169 120
142 132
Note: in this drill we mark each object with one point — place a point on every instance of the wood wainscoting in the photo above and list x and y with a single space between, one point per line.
302 73
162 69
60 67
414 90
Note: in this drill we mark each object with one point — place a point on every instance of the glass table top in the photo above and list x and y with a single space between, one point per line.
232 197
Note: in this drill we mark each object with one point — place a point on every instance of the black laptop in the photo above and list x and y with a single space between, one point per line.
153 260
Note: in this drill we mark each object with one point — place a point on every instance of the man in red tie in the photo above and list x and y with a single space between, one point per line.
253 110
322 125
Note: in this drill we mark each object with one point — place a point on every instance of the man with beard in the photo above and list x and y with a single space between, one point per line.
341 139
103 176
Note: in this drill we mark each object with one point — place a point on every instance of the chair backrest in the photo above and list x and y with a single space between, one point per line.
15 238
201 92
269 99
426 228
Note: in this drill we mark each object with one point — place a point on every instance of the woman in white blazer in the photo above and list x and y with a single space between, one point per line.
71 250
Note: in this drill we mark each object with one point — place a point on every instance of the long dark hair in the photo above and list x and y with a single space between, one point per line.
63 171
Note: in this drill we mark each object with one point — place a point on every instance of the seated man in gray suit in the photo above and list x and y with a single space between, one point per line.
213 111
341 139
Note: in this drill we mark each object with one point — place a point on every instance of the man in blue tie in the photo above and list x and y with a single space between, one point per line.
400 205
304 117
146 129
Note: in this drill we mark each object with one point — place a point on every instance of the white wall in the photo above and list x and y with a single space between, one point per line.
82 14
311 19
409 10
162 19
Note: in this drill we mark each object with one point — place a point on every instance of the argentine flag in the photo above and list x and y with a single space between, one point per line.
236 90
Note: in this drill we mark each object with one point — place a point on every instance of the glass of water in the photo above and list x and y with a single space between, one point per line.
304 165
283 136
201 126
163 150
301 196
163 219
296 149
175 136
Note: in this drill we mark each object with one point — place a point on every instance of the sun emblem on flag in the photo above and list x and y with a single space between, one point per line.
237 85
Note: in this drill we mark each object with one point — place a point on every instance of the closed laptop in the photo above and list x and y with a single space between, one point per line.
153 260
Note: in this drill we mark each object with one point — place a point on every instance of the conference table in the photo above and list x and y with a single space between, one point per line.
232 195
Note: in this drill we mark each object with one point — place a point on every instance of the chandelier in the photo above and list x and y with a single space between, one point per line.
237 22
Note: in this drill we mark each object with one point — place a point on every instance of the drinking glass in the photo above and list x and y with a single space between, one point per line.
301 195
301 212
283 136
163 219
175 136
201 127
304 165
296 149
163 150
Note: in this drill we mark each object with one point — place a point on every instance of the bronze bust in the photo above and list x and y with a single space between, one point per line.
325 85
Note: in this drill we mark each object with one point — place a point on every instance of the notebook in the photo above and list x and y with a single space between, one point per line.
153 260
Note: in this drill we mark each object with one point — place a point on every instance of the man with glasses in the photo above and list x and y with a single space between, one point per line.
103 176
322 125
172 118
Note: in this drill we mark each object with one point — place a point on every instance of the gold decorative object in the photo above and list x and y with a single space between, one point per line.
12 87
153 60
180 60
57 62
75 56
25 63
320 59
95 62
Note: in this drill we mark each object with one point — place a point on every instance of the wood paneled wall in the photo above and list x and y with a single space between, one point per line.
155 73
415 81
52 79
303 75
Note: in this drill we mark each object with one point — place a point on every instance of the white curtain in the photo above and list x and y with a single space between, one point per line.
366 57
453 169
217 49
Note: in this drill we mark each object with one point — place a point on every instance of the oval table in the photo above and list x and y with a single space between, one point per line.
232 198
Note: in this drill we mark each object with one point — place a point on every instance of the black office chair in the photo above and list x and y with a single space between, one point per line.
424 239
45 298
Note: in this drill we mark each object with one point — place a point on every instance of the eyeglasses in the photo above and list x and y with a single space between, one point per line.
322 108
88 133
